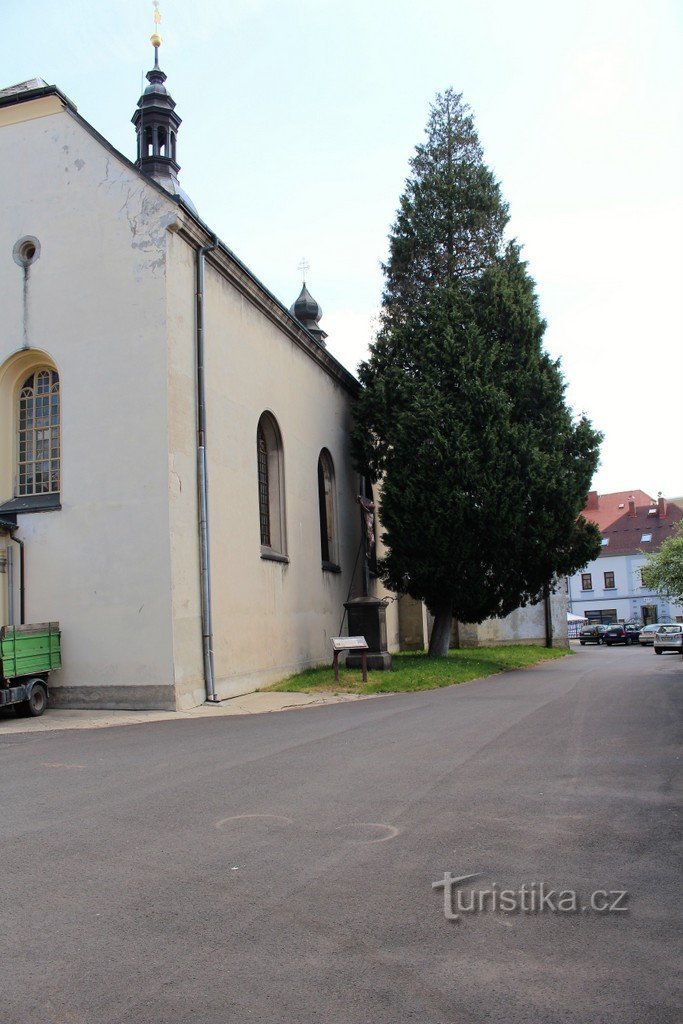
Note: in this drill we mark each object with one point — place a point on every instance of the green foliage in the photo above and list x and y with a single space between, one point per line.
415 671
664 569
484 471
451 217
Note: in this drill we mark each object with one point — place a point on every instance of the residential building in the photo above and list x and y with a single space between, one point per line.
611 588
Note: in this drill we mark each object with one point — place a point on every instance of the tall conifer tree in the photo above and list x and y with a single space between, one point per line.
462 414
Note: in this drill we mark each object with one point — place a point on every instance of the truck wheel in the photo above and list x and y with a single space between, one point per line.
657 650
37 702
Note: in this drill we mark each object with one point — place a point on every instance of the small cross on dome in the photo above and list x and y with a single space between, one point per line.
304 267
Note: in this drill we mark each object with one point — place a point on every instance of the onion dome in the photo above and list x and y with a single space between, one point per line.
307 311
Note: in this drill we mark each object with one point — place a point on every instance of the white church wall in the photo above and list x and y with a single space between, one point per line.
522 626
94 302
270 618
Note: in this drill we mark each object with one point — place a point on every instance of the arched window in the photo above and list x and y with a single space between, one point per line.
327 506
38 423
271 487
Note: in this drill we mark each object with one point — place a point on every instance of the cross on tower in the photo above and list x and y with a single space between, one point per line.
304 266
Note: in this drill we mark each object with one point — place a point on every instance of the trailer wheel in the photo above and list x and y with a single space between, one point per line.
37 702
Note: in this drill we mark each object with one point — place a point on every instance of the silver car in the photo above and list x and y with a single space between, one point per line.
669 638
647 634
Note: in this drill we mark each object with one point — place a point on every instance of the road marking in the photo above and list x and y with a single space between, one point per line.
390 829
243 817
47 764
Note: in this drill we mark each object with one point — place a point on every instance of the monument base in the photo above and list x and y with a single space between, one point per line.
378 661
367 617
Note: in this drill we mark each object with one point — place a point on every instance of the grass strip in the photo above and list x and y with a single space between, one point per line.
413 670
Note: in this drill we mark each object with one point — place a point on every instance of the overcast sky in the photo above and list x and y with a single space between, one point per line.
299 119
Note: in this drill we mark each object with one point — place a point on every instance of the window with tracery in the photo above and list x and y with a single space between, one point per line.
38 428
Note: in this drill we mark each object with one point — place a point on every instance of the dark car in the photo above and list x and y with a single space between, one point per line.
622 634
592 634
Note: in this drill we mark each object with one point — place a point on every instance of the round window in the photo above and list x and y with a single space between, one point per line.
26 251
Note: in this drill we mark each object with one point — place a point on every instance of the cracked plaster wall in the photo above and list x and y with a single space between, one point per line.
96 306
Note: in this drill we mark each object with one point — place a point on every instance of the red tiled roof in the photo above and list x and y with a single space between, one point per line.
625 531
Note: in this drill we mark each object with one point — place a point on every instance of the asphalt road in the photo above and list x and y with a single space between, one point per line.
279 868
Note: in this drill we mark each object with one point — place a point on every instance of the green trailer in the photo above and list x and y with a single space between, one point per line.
27 656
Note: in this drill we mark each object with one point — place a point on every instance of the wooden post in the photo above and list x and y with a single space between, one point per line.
336 666
364 665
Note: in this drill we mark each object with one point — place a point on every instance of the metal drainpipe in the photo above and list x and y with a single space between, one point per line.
10 587
203 485
22 578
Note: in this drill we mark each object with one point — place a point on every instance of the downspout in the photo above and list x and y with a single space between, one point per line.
203 485
22 579
10 587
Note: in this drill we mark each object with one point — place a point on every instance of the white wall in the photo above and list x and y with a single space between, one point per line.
270 619
94 302
522 626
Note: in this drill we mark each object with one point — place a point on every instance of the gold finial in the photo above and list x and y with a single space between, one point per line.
155 38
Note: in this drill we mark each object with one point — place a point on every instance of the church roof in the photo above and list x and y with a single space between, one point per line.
21 87
200 233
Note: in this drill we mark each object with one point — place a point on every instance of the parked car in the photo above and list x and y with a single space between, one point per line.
647 634
592 634
622 634
669 637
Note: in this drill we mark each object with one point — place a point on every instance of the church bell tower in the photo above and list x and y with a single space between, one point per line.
157 123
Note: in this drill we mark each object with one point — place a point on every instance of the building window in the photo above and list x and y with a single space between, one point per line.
609 581
604 615
586 581
38 423
605 542
271 491
645 538
264 506
327 507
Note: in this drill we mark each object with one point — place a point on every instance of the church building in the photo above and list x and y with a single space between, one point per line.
176 486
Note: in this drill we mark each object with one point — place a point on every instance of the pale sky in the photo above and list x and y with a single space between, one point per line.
299 119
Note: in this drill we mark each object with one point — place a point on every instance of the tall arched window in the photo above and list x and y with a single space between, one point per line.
38 424
271 487
328 512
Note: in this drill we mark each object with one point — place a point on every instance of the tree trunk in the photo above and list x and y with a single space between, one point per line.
441 633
